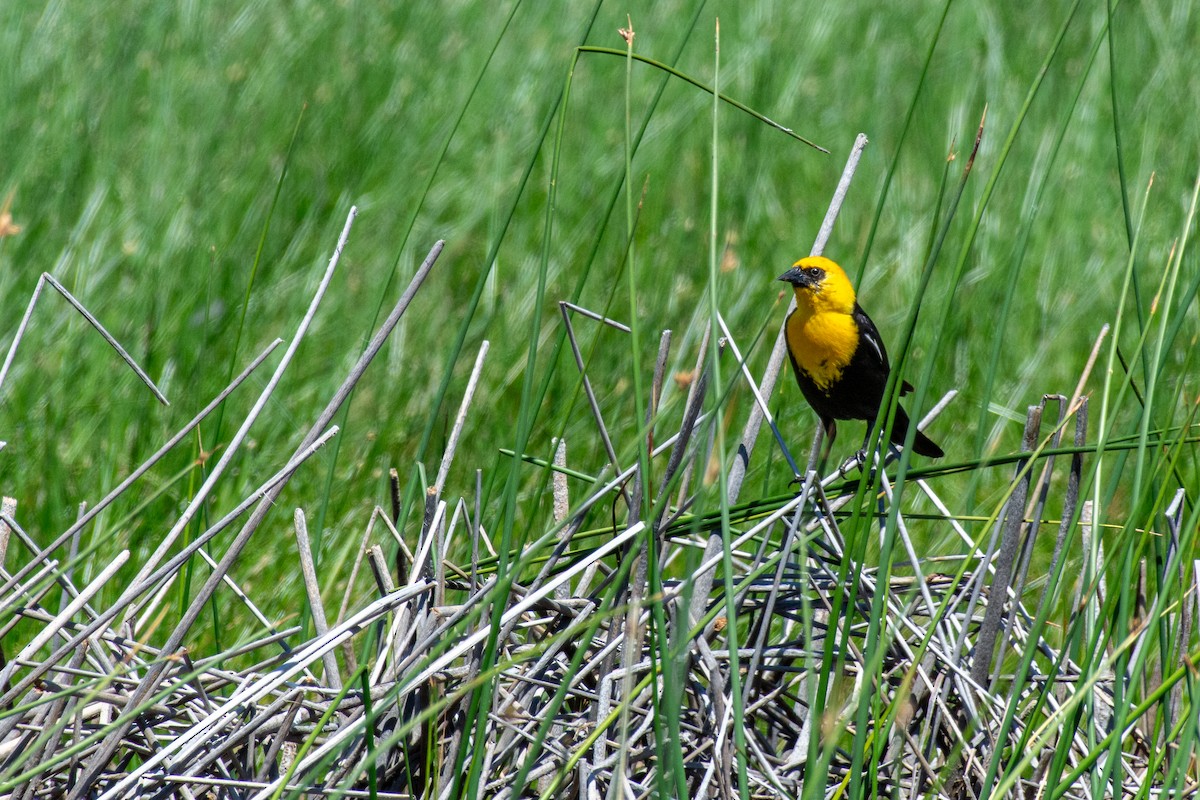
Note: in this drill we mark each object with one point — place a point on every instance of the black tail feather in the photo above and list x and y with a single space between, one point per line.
922 444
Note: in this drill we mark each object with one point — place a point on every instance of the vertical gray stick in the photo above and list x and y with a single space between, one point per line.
737 470
313 589
8 507
985 645
461 417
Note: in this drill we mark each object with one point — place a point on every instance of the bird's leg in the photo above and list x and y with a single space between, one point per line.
862 454
830 428
858 459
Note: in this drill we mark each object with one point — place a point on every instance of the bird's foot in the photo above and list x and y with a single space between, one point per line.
854 462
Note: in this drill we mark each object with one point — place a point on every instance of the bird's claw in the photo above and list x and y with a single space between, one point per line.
853 462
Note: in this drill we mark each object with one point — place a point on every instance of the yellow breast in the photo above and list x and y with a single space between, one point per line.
822 344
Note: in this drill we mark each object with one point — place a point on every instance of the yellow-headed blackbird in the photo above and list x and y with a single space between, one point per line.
838 354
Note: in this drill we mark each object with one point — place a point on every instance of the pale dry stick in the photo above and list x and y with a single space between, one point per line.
1089 365
710 563
587 384
39 586
376 513
235 738
421 648
621 477
914 561
604 700
440 538
147 611
50 630
629 637
776 650
8 508
476 524
403 623
691 413
290 790
87 315
549 657
189 667
896 612
528 602
720 757
834 536
1174 704
660 369
760 402
612 323
60 711
313 589
239 592
562 501
170 569
769 609
57 576
335 743
542 774
605 490
380 570
425 569
942 632
422 568
96 765
737 470
73 550
407 627
461 417
146 465
810 481
460 514
27 747
119 644
198 500
198 735
281 736
773 780
565 538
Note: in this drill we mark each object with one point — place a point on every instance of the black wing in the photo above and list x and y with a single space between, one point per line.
870 338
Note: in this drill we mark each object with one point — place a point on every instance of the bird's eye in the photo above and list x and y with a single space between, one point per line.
815 273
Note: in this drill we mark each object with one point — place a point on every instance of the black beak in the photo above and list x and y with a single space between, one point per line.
796 277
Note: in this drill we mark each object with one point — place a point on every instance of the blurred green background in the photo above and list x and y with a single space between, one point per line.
144 142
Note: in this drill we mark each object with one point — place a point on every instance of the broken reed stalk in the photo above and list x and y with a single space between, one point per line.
47 278
312 588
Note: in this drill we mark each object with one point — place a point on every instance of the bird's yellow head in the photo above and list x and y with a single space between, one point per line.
821 286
